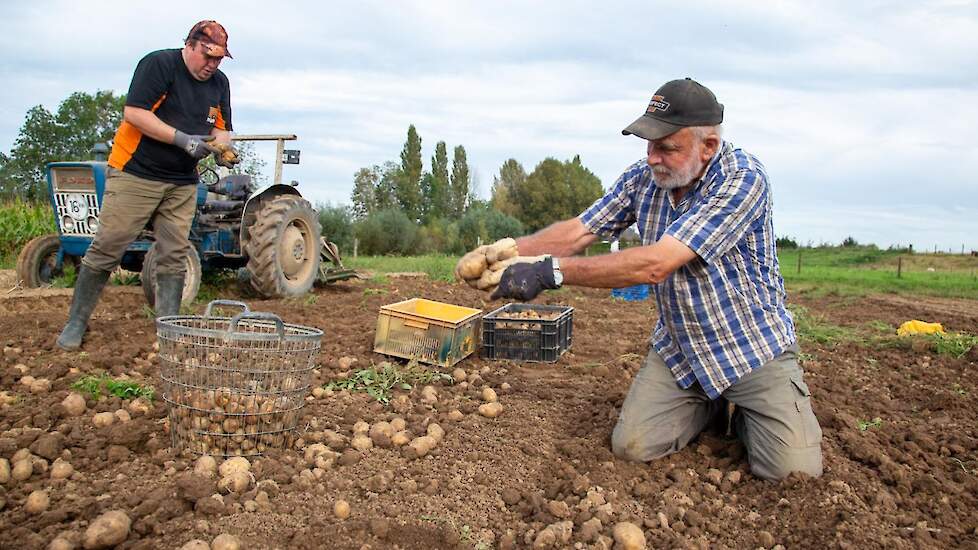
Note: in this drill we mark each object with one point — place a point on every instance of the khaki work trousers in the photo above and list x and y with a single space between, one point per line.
774 420
129 202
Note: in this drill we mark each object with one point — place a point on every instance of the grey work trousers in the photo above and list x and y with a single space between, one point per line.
774 421
127 205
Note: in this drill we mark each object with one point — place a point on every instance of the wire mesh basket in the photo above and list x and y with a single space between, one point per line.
234 386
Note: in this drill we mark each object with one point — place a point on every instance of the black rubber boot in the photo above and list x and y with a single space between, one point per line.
88 288
169 293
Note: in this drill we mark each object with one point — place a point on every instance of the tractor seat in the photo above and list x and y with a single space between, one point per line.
235 186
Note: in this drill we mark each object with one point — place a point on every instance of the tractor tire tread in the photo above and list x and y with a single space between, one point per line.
262 248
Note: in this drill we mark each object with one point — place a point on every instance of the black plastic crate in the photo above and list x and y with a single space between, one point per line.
527 339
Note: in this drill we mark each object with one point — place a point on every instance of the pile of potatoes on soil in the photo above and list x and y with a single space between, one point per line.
41 473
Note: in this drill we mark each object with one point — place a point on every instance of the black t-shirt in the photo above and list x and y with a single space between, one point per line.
163 84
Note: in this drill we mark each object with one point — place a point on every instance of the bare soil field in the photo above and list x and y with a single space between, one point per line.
900 441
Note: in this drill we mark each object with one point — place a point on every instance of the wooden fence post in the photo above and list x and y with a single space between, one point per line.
356 242
799 262
899 266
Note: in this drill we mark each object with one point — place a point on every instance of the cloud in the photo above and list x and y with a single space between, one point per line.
863 107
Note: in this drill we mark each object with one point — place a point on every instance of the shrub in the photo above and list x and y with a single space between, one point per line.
337 225
485 225
439 236
786 242
20 222
388 232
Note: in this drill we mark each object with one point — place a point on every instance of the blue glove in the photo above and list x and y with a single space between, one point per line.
193 145
524 281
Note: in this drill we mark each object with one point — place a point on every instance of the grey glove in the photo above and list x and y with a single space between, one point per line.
194 145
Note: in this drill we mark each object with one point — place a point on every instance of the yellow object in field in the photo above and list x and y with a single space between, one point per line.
919 327
431 332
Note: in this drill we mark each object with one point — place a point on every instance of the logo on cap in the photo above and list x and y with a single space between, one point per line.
658 103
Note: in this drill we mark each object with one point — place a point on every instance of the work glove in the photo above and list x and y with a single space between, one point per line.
490 277
524 281
194 145
471 267
224 154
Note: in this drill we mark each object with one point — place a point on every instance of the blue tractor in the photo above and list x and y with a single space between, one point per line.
271 235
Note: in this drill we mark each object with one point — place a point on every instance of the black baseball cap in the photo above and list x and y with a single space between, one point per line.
677 104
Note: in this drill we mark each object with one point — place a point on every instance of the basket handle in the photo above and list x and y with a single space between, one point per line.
415 324
258 315
232 303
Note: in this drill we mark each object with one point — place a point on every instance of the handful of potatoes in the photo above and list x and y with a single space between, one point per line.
224 154
483 267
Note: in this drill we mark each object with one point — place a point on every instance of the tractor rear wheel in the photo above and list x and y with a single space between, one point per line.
37 262
284 248
191 280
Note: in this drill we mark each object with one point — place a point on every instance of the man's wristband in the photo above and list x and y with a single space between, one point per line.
558 275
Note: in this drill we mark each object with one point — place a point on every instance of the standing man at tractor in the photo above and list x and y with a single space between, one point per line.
177 112
703 209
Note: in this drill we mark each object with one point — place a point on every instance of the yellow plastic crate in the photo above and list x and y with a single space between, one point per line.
431 332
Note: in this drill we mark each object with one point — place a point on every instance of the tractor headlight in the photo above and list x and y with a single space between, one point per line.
68 224
92 223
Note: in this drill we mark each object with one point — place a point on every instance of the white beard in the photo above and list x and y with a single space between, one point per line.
669 179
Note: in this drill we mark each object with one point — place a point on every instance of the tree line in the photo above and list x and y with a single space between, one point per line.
402 208
396 207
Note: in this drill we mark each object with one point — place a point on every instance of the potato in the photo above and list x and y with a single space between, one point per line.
235 482
205 466
398 424
422 445
61 469
455 415
226 542
401 438
429 395
629 536
361 427
108 530
491 410
488 279
4 471
472 264
361 442
489 395
381 429
502 249
196 544
104 419
37 502
314 450
233 465
122 415
23 469
341 509
61 543
142 406
436 432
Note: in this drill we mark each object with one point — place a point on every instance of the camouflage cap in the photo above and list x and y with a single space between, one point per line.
212 37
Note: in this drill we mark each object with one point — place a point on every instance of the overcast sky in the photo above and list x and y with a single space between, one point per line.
865 113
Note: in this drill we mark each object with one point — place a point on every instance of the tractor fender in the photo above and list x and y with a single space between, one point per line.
254 204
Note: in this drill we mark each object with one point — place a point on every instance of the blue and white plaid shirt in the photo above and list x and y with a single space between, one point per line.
723 314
